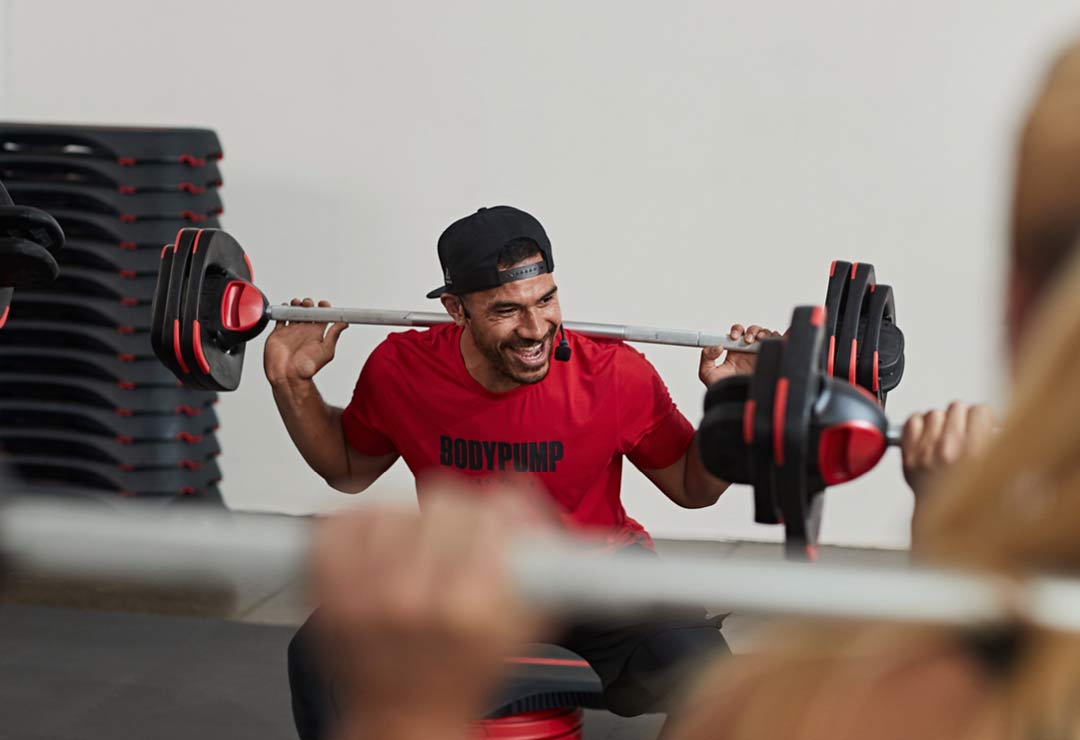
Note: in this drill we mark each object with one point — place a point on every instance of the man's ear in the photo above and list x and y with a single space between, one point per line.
454 306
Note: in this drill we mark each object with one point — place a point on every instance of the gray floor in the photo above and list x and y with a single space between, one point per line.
209 662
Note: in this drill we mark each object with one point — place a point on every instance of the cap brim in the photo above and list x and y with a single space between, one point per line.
437 292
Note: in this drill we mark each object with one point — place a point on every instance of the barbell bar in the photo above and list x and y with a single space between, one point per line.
145 544
628 333
206 308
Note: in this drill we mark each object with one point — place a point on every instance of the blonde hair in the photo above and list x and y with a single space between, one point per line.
1018 508
1046 197
1015 510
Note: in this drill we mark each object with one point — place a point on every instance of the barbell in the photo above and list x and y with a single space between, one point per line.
133 542
205 309
792 428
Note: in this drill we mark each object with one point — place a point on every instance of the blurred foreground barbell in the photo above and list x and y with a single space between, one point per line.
150 545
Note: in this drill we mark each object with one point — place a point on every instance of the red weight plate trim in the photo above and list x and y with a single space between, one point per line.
779 416
4 316
877 377
748 421
832 356
176 347
854 267
817 317
197 342
851 367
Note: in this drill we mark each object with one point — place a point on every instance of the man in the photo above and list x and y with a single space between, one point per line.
482 398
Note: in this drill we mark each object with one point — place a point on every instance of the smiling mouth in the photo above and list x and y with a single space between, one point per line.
532 355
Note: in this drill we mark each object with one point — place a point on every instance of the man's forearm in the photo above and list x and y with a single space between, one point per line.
315 428
701 487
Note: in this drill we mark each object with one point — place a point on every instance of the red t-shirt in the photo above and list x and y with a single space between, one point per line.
570 431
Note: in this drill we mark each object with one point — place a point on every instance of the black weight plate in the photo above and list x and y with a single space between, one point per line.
176 481
52 361
103 173
216 259
835 299
126 208
49 414
141 234
721 443
81 309
26 264
158 333
173 337
759 430
32 224
29 333
880 308
847 342
104 394
105 256
797 390
95 283
5 305
96 448
891 366
127 145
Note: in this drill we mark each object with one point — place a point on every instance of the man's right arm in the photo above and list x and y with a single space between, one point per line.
293 354
315 429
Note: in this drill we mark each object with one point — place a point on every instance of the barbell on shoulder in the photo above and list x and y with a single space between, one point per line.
146 544
381 317
206 308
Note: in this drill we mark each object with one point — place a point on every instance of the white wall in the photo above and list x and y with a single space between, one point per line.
695 163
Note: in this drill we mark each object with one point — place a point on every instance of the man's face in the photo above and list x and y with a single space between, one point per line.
514 326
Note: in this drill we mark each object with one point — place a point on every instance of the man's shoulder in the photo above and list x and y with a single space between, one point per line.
615 351
414 349
412 341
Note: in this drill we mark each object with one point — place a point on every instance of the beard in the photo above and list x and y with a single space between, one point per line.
503 357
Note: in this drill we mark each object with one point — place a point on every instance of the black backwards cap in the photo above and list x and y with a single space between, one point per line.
469 250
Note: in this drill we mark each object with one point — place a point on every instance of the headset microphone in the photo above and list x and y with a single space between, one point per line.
562 352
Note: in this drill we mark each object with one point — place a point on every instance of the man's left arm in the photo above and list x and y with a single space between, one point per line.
686 481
